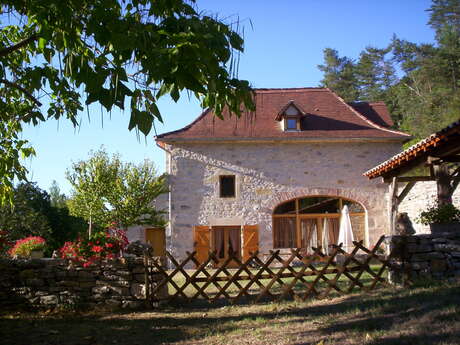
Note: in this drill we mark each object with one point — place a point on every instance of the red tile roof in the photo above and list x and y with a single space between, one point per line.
377 112
432 145
327 117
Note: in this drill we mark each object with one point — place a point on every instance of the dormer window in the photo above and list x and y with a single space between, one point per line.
290 117
291 123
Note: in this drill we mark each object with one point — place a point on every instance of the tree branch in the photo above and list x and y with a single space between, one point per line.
20 88
19 45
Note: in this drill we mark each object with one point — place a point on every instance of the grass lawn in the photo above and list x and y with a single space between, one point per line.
419 315
211 290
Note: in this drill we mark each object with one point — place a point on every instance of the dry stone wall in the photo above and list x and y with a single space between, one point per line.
425 256
268 174
50 283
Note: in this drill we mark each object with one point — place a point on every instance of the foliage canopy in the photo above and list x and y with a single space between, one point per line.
56 57
424 96
107 191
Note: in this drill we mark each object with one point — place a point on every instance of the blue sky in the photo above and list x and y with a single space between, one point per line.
284 42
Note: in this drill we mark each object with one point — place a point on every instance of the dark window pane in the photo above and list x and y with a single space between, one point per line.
291 123
227 186
319 205
284 232
287 207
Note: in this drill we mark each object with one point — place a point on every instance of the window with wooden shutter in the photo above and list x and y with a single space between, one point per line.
202 242
250 240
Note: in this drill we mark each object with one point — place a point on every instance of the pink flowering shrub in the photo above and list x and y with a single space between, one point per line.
102 245
25 246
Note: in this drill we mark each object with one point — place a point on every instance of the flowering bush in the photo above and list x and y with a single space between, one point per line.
25 246
102 245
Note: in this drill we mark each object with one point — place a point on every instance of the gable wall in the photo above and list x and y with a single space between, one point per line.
268 174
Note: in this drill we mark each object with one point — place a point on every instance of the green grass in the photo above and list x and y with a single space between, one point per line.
211 290
389 316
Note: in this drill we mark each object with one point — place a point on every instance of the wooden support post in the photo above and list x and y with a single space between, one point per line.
443 184
393 204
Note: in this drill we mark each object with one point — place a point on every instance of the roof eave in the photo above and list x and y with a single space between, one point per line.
280 139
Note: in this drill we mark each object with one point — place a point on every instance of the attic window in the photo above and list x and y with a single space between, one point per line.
227 186
291 115
291 123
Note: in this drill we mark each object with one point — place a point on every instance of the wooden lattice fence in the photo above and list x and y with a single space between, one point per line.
298 276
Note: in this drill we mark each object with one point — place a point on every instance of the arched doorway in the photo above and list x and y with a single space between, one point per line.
299 223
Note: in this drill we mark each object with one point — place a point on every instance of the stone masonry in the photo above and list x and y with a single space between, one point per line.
421 196
50 283
425 256
268 174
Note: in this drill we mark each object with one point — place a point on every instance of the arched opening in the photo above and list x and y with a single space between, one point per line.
301 222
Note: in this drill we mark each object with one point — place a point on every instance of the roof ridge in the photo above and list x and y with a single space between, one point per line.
365 119
290 89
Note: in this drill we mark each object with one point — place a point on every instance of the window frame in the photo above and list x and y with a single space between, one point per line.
298 216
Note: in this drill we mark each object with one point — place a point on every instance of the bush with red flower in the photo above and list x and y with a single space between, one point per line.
24 247
102 245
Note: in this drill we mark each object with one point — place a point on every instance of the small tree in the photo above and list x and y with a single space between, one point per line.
106 191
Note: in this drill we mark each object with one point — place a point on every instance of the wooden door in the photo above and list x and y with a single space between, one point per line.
250 240
157 239
202 242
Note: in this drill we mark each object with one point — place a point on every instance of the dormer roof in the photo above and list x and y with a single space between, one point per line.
328 117
290 105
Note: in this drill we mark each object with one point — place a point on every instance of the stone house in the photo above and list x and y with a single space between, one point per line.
274 177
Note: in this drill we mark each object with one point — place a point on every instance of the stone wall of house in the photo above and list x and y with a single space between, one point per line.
137 232
425 256
268 174
421 196
50 283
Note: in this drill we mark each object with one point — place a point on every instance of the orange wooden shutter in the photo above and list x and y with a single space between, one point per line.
250 240
157 239
202 242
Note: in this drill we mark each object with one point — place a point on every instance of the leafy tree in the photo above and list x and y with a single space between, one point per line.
58 56
57 199
425 96
445 13
339 75
375 74
28 216
32 214
92 182
106 191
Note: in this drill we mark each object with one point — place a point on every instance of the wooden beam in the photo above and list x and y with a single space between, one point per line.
405 191
414 178
393 204
451 159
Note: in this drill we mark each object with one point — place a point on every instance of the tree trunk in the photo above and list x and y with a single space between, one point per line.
90 227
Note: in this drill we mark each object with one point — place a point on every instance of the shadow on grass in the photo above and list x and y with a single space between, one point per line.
382 314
